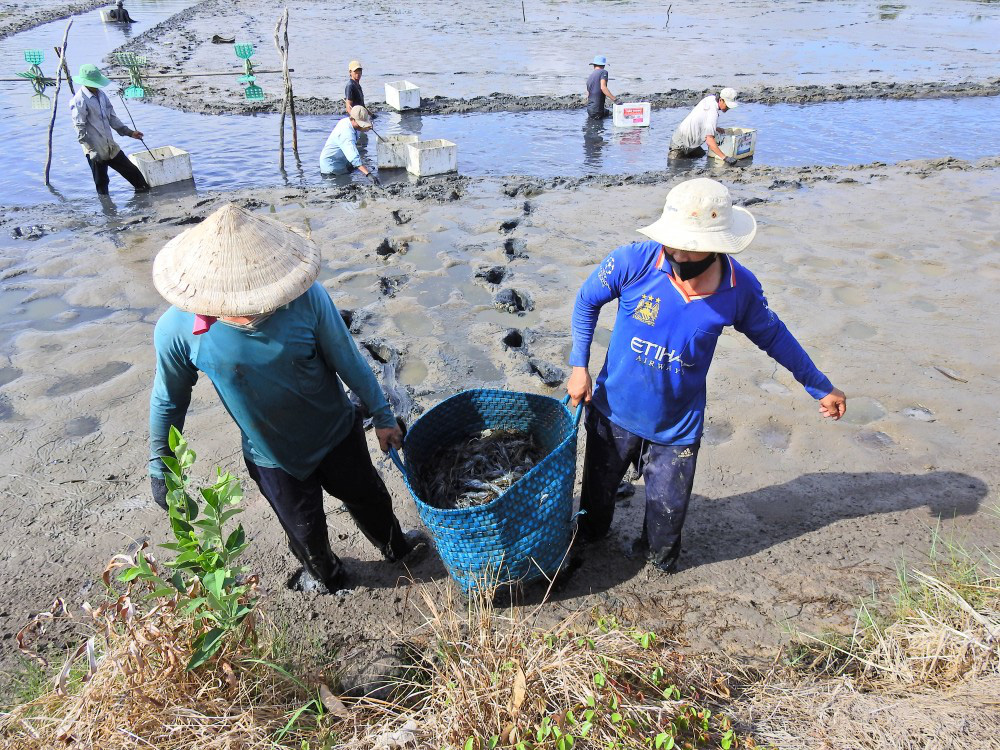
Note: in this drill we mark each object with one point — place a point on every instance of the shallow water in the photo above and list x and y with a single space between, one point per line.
232 151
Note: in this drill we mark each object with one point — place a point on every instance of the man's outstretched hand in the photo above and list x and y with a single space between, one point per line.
833 404
579 386
389 436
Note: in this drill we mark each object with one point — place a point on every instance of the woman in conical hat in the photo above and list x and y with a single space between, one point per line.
247 311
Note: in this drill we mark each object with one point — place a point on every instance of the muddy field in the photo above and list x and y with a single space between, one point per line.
881 271
18 16
473 57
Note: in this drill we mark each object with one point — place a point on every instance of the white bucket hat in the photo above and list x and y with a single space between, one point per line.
729 95
699 216
235 263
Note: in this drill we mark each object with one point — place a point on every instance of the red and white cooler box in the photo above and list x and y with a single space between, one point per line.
632 115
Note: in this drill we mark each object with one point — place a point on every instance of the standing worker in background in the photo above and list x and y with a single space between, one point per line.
597 89
700 127
340 152
675 295
247 311
94 118
353 95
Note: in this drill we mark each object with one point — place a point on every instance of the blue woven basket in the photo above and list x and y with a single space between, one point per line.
525 532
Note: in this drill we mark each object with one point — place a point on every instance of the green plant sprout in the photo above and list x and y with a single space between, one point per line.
208 583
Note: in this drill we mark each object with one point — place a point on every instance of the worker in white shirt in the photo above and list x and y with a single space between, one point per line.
94 119
701 126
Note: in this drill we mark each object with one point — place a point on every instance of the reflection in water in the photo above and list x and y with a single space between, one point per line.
593 143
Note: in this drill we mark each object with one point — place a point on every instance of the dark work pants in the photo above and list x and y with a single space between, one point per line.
668 471
348 474
687 153
121 164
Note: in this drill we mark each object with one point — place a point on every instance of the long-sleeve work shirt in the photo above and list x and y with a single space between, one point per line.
340 152
94 118
280 382
653 382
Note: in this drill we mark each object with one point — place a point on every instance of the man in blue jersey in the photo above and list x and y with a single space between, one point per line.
246 311
675 295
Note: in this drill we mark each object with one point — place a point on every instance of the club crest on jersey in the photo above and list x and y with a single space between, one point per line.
647 310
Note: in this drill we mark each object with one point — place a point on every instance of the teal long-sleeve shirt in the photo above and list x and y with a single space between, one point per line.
280 382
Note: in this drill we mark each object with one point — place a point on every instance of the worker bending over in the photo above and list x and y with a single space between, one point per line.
340 154
701 126
246 311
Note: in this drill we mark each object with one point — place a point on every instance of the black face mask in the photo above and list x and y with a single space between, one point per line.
690 269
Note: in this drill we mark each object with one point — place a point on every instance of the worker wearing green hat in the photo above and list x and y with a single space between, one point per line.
94 118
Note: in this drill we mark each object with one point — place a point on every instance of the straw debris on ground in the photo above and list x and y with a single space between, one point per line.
477 470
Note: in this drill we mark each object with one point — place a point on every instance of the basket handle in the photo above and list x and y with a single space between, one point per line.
579 411
394 455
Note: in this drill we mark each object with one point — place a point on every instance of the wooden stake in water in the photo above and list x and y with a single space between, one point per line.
65 67
55 100
523 17
288 100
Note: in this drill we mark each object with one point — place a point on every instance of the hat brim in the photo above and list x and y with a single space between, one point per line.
734 240
731 104
194 287
100 83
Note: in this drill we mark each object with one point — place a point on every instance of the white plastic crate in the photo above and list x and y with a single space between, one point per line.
167 164
437 156
391 151
402 95
736 142
632 115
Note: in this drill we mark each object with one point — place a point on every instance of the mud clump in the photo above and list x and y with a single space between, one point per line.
514 248
389 285
390 247
493 275
548 373
513 301
506 227
401 217
513 339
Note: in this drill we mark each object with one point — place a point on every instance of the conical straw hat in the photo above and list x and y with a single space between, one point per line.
235 263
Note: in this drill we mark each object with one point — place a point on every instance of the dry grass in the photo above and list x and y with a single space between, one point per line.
126 685
490 678
920 671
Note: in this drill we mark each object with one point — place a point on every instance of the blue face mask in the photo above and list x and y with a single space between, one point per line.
691 268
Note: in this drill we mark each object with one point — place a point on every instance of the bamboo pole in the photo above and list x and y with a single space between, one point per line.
65 68
55 99
175 75
284 100
291 97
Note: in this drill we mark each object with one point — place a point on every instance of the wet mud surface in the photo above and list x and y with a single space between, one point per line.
483 57
793 518
18 16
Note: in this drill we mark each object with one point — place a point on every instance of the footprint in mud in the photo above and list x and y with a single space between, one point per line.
773 386
874 439
381 351
526 208
849 295
82 426
9 374
775 437
855 329
924 305
515 248
862 410
513 301
493 275
77 383
506 227
6 410
717 433
919 413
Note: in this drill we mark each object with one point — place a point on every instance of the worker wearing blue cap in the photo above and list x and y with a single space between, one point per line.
597 89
